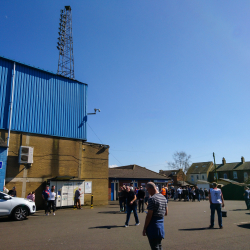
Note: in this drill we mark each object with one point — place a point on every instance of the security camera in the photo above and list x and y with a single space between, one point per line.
97 110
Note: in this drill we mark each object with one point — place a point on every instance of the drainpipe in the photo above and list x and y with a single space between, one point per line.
11 104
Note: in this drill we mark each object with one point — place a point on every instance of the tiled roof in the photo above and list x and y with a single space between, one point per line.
169 173
2 143
200 167
134 172
233 166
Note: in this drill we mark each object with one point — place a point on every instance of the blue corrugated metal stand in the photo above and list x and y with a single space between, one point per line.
43 103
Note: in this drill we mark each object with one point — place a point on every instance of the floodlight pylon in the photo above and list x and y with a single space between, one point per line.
65 44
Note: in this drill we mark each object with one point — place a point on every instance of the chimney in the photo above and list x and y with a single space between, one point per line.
223 161
242 160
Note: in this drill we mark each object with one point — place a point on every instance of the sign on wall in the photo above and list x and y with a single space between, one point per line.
1 164
88 187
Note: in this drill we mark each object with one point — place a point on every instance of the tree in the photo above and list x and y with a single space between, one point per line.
181 161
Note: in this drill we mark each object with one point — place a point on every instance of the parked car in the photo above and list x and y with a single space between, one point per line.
15 207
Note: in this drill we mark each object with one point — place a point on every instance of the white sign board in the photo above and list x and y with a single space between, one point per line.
88 187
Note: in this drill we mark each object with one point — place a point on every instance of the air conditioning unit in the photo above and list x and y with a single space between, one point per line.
25 155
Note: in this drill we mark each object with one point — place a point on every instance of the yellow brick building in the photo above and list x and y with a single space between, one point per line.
57 157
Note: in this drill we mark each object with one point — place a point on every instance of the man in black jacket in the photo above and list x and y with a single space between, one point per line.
140 197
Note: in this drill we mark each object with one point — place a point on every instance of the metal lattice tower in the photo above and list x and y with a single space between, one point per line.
65 44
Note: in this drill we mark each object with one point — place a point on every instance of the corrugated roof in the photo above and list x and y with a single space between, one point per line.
200 167
134 172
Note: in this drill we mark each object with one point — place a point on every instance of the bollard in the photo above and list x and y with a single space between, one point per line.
92 201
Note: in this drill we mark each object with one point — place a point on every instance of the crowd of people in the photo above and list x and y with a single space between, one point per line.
181 193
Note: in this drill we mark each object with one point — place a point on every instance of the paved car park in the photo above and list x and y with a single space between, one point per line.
103 228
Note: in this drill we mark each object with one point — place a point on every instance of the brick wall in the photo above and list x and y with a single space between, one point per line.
57 157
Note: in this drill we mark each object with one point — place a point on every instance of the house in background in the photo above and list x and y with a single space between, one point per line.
199 172
178 176
236 171
133 175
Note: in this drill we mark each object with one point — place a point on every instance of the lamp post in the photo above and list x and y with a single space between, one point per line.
215 169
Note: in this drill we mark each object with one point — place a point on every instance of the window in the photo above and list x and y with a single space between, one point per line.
196 166
204 166
235 174
225 176
245 176
203 178
1 196
197 177
192 178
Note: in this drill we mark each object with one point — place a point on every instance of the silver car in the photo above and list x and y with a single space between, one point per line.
17 208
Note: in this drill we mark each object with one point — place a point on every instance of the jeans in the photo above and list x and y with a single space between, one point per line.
187 197
217 207
131 208
141 205
121 201
247 203
198 197
155 244
46 206
51 203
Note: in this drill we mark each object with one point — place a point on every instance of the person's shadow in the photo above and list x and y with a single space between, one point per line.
110 212
105 227
238 210
196 229
244 225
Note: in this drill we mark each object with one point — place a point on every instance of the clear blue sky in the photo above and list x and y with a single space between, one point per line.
167 75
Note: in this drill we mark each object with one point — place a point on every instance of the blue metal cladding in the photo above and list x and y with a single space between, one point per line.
43 103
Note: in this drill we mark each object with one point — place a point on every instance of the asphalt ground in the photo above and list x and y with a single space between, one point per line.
103 228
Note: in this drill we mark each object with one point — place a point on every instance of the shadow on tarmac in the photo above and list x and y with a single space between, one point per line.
197 229
107 227
244 226
7 219
110 212
238 210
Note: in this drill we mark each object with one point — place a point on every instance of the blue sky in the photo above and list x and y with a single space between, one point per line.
167 75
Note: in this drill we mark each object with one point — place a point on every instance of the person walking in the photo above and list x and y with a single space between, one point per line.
45 196
154 222
12 192
77 198
206 194
131 206
247 197
216 203
188 192
163 191
179 191
121 199
202 195
146 197
140 197
52 200
193 194
197 191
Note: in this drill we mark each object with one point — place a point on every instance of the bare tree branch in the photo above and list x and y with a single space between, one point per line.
181 161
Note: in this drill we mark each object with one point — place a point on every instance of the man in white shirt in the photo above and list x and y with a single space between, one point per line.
216 202
179 191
